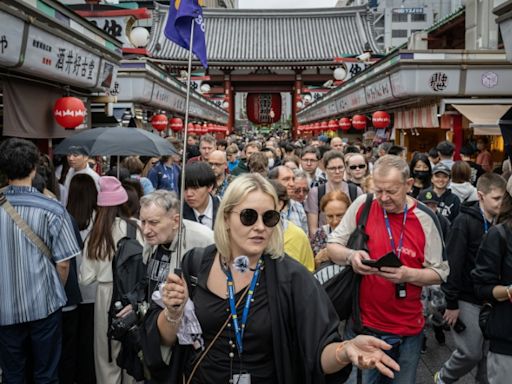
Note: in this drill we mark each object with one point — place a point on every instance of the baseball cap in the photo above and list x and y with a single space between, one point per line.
441 168
428 197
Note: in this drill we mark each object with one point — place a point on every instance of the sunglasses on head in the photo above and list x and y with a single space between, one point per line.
360 166
249 217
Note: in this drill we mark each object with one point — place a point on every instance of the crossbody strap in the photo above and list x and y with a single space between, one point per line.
366 210
22 224
203 355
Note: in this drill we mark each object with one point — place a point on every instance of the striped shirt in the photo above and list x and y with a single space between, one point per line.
30 287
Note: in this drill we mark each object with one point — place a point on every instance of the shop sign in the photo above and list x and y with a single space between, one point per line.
482 81
409 10
379 91
398 86
134 90
165 98
356 99
52 57
438 81
11 39
115 26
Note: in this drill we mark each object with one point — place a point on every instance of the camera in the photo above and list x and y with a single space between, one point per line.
120 326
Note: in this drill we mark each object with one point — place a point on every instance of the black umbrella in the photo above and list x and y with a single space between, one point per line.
117 141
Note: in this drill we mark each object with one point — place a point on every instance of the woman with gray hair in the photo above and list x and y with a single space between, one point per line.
264 319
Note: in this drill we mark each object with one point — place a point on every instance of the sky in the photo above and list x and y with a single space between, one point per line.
265 4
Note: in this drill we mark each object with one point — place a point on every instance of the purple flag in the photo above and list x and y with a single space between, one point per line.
181 14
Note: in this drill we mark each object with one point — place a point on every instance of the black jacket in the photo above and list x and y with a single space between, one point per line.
241 168
449 204
494 267
462 244
303 323
188 212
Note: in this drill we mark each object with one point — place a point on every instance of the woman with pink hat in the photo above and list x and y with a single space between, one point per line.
100 246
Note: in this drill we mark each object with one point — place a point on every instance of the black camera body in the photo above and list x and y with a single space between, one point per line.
120 326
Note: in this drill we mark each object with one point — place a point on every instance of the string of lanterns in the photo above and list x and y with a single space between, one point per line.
379 120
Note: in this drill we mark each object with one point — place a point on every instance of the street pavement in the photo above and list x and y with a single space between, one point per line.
434 359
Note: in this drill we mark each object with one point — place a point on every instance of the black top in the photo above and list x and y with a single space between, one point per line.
258 359
302 318
158 268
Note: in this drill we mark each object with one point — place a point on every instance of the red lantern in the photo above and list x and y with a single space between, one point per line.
198 129
159 122
333 125
359 122
324 126
191 129
344 124
264 108
381 119
69 112
176 124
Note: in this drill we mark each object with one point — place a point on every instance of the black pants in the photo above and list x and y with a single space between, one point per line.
85 373
38 340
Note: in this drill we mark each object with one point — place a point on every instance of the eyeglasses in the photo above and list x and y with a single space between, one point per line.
309 160
302 190
335 169
249 216
355 166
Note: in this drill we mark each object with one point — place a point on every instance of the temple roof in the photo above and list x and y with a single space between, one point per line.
252 36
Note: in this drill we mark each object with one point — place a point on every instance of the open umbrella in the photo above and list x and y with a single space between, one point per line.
117 141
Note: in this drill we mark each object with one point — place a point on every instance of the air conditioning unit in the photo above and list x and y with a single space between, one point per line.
418 41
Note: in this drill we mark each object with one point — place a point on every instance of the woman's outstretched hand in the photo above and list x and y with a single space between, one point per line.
367 352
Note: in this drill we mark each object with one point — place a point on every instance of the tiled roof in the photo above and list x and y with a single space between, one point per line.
273 36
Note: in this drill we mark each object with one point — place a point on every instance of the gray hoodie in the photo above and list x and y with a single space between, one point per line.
464 191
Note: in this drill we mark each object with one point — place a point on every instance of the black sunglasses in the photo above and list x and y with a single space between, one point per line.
360 166
249 216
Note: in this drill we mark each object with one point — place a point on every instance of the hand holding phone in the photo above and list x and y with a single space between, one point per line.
388 260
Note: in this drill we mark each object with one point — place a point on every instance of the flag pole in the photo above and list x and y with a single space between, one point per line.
184 155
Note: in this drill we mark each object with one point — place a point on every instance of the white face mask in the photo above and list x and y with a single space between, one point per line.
270 163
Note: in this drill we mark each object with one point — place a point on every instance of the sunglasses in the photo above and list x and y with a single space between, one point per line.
360 166
249 217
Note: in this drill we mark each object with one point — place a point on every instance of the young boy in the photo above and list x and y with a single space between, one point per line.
462 245
449 204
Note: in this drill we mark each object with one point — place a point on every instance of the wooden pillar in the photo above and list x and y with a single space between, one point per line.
228 97
297 90
458 136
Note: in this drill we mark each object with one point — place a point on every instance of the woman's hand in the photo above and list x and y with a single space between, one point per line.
366 352
321 257
174 295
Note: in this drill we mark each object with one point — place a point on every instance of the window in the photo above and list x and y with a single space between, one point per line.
399 17
418 17
399 33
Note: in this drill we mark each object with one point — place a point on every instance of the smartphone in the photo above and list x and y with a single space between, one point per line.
369 262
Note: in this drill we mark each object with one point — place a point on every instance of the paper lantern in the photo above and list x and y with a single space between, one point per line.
324 126
344 123
333 125
191 128
159 122
176 124
264 108
69 112
359 122
381 119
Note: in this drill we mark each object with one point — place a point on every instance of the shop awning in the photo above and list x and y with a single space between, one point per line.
422 117
484 118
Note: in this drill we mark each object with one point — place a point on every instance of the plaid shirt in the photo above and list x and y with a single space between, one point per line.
296 214
30 287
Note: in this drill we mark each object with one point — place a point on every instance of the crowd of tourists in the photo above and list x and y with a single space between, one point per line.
235 296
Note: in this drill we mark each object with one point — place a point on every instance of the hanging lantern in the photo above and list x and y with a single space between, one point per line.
69 112
333 125
263 108
344 123
176 124
359 122
159 122
381 119
199 129
191 129
324 126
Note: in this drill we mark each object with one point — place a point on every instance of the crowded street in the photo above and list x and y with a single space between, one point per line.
255 192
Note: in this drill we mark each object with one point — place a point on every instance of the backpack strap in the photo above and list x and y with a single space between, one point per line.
352 191
366 210
321 192
503 237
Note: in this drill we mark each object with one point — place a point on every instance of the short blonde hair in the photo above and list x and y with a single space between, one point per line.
235 194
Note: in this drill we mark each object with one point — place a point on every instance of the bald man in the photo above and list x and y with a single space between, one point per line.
337 144
219 163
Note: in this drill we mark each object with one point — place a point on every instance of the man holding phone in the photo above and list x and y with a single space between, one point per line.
408 235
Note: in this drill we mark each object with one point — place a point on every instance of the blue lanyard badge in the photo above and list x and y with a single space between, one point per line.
398 250
239 331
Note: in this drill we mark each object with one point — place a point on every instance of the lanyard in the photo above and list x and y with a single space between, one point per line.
388 227
486 226
239 330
